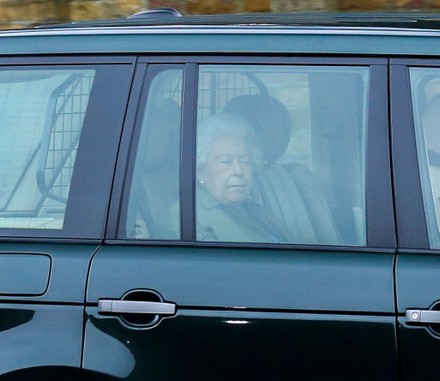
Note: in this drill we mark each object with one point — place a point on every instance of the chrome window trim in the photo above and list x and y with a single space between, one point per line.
244 30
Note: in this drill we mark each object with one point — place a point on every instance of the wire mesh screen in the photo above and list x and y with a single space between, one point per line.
217 88
70 104
167 86
42 112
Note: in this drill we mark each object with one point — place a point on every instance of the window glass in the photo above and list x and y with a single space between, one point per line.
425 92
281 154
154 203
41 113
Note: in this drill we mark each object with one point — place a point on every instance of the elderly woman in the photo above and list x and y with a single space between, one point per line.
227 153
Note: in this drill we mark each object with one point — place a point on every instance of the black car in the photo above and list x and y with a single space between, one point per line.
221 197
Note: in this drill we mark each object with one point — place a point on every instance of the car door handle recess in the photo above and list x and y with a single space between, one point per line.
135 307
422 316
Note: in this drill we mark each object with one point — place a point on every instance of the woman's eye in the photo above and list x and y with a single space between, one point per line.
224 161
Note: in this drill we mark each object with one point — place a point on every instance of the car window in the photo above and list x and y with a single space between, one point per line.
154 202
281 154
425 95
41 113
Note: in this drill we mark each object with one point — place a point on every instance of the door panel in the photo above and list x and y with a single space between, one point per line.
418 280
240 311
415 273
272 276
217 278
218 345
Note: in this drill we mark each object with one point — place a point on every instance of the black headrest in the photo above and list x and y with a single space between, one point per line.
270 119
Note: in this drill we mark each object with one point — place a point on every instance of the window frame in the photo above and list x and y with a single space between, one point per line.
90 186
379 201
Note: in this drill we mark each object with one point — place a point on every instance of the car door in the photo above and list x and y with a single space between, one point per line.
58 138
182 290
415 89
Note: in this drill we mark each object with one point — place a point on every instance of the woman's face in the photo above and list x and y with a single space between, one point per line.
227 173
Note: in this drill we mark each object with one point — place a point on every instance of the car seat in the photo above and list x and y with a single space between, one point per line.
155 186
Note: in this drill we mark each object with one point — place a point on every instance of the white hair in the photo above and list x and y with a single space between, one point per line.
221 125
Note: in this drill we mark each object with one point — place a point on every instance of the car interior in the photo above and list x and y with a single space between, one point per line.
36 178
314 190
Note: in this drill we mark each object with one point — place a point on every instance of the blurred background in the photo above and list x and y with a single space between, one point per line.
25 13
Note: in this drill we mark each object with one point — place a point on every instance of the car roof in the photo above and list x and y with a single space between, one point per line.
169 16
166 31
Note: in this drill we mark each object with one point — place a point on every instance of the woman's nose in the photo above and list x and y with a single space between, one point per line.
237 167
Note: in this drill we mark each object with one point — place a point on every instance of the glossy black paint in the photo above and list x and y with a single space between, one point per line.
34 336
248 345
243 309
41 330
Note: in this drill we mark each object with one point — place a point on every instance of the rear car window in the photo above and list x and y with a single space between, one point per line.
279 155
297 173
42 113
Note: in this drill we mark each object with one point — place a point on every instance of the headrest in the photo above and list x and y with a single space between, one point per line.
162 133
270 119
